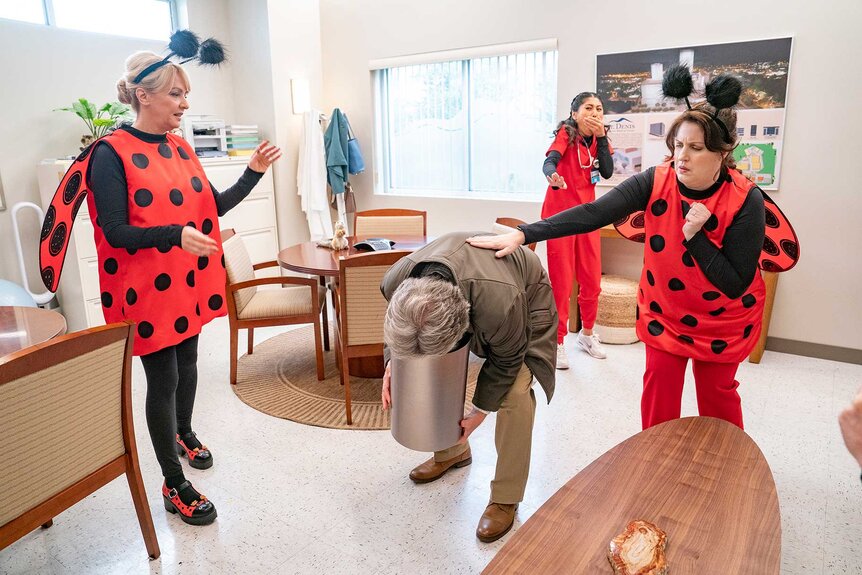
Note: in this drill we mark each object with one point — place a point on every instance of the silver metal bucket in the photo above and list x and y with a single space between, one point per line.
428 396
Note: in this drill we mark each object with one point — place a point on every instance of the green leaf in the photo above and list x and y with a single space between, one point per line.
100 122
80 109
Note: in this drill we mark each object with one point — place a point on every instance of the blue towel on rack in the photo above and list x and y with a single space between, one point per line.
335 145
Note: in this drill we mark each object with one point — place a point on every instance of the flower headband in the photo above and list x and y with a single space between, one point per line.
186 45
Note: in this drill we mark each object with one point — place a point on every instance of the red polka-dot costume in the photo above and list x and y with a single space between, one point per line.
578 256
169 295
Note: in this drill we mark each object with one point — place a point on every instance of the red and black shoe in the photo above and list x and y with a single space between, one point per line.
200 511
199 457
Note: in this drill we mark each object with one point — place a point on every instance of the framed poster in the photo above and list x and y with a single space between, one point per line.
629 85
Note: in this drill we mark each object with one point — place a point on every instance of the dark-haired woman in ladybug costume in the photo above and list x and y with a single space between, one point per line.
706 228
155 219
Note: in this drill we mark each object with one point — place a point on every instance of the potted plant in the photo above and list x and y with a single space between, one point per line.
98 120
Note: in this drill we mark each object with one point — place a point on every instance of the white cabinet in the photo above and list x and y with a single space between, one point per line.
78 293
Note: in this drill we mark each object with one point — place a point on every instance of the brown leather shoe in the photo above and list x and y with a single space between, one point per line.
496 521
432 470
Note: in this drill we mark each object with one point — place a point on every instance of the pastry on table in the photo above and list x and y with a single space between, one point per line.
639 550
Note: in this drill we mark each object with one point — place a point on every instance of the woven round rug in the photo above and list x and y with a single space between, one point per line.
280 379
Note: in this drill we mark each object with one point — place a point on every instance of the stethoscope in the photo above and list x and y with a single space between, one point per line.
593 162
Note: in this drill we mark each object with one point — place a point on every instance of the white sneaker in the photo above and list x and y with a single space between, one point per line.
562 358
592 345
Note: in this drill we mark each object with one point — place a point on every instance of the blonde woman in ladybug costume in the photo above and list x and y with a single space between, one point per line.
706 230
155 219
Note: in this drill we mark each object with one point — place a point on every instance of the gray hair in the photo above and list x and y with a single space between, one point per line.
426 316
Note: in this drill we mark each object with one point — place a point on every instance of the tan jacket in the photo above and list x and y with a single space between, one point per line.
513 318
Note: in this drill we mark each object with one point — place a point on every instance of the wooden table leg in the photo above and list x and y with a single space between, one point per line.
770 279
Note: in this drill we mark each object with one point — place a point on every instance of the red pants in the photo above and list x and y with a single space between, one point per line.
576 257
663 382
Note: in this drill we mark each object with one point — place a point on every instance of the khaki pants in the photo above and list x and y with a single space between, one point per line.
513 437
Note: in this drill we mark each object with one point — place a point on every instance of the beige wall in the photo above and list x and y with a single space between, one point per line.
817 301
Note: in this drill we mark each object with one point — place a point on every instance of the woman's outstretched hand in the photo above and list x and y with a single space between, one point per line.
504 244
264 156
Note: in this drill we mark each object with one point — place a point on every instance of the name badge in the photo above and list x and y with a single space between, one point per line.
595 176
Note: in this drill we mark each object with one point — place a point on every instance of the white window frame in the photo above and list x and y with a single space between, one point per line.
381 155
50 19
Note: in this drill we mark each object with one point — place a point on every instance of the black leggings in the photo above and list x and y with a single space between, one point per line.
172 379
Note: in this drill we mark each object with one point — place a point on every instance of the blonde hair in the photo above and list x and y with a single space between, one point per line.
154 82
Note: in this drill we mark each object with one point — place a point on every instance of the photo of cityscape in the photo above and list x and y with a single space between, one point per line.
630 82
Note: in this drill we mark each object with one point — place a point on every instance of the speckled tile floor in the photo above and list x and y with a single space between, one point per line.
299 499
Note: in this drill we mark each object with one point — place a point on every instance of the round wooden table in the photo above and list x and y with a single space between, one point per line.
22 327
310 258
700 479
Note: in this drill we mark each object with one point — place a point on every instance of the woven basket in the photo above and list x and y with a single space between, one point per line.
615 320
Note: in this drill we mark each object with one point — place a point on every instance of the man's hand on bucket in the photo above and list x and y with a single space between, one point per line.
473 420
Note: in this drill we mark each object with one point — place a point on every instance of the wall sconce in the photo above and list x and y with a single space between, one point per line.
300 95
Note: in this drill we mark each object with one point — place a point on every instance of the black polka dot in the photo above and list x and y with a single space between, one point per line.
686 338
689 320
140 160
718 346
73 184
791 248
207 226
222 261
747 331
176 197
48 223
131 296
163 282
165 151
48 277
638 221
182 152
145 329
655 328
685 208
192 225
190 278
769 266
748 300
143 197
711 223
107 299
659 207
717 312
649 278
711 295
85 152
656 242
637 312
164 249
203 262
197 309
196 184
675 284
640 238
655 307
687 260
111 266
621 221
131 251
215 302
771 220
770 247
79 201
58 239
181 325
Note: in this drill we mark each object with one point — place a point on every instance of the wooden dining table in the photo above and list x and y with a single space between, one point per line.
702 480
22 327
312 258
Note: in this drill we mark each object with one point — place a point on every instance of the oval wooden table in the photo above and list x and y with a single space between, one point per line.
22 327
702 480
310 258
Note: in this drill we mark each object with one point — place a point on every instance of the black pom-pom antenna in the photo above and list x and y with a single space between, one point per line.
184 43
212 52
677 82
723 91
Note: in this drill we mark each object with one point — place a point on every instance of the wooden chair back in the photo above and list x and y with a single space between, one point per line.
390 221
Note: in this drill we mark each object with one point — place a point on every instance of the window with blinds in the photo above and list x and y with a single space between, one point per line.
473 127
